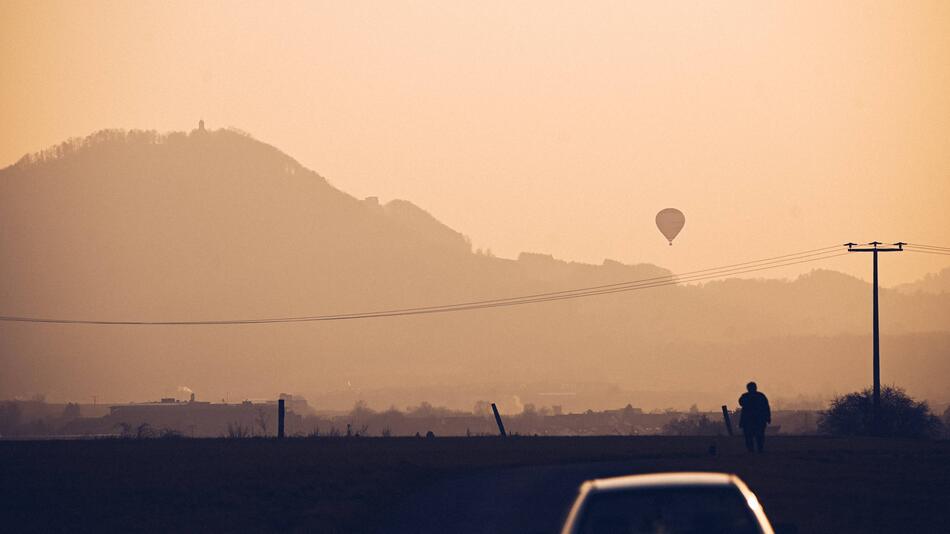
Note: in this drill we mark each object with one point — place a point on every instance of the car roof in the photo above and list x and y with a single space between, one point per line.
662 480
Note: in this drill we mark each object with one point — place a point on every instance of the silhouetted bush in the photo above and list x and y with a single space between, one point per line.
901 416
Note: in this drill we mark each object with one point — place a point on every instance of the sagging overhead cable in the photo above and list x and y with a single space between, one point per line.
646 283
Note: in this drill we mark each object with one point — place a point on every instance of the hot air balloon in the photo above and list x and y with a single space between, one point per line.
670 221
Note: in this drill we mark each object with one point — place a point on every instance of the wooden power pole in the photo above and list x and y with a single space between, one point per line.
874 247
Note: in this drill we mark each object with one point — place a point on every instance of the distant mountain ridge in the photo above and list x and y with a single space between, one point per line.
215 224
931 283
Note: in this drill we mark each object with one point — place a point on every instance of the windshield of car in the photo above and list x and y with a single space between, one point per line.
670 510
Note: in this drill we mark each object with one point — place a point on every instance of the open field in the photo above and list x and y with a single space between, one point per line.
409 484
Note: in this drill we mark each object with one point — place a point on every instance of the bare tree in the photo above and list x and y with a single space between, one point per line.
238 431
125 429
263 420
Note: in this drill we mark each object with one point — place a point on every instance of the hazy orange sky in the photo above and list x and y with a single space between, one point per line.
540 126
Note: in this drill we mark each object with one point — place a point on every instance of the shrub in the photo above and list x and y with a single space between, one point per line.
901 416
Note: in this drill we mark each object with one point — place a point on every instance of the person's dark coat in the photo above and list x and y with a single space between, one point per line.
755 410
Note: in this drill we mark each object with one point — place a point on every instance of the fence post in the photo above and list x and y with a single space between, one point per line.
725 417
501 426
280 419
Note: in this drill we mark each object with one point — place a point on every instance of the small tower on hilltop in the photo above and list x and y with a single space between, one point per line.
201 125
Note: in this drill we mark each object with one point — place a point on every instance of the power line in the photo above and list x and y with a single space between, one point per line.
928 252
451 308
676 278
935 247
673 279
716 271
924 249
928 249
596 290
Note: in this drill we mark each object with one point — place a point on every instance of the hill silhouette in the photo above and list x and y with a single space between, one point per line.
217 225
931 283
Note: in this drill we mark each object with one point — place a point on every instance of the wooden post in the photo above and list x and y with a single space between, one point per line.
280 419
725 417
501 426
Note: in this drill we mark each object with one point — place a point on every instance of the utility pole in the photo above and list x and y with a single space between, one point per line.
874 247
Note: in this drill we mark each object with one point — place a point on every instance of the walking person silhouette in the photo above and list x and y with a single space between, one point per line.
756 415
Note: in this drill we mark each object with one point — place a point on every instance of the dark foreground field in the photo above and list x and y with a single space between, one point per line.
446 484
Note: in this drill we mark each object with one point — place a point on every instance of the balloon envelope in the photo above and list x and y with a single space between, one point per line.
670 221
